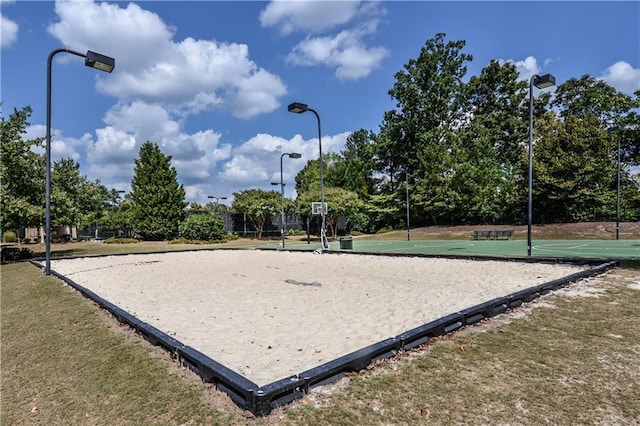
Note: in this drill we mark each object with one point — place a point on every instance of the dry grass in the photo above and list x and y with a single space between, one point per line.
572 360
61 363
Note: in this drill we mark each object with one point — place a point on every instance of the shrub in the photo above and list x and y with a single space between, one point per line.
203 227
10 254
9 237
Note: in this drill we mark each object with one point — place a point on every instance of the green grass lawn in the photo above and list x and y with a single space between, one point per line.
572 360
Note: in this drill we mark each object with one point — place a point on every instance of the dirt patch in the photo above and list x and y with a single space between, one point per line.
588 230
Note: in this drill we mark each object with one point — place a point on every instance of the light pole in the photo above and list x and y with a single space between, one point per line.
406 184
92 60
299 108
115 193
616 130
546 80
282 216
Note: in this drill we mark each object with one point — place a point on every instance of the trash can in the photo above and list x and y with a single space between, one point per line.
346 243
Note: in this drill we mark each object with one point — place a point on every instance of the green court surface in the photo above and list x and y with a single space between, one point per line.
601 249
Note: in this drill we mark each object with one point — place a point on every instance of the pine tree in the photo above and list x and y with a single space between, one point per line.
158 198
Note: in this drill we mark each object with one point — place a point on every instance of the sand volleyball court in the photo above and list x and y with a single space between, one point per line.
268 315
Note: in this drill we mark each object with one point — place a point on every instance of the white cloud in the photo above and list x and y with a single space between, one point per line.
61 146
623 77
190 75
195 156
159 82
345 51
257 161
527 68
308 16
8 31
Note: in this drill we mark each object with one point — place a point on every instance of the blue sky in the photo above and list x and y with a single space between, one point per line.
210 81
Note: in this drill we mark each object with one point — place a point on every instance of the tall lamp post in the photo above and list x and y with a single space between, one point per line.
299 108
546 80
92 60
282 216
616 130
406 184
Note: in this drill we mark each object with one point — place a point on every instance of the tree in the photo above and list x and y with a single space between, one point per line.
489 170
573 170
582 180
590 97
259 206
157 197
359 164
308 178
22 174
417 136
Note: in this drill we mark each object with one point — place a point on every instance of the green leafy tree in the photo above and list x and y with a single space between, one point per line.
22 175
573 170
489 172
417 136
258 205
157 198
588 97
583 180
333 167
358 157
66 186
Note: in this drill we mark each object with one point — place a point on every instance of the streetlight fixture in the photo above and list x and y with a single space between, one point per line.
299 108
282 216
116 195
616 130
92 60
217 198
225 209
406 184
545 81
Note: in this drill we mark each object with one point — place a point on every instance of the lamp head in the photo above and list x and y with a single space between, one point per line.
295 155
545 81
275 183
298 107
99 62
613 129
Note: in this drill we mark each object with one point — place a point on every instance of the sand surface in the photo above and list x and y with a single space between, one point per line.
271 314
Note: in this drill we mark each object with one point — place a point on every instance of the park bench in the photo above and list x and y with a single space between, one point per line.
495 234
477 235
503 233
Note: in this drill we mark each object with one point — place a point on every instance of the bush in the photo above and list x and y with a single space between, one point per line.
9 237
202 227
11 254
360 222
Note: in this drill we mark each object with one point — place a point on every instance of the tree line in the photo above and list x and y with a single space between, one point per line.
456 149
